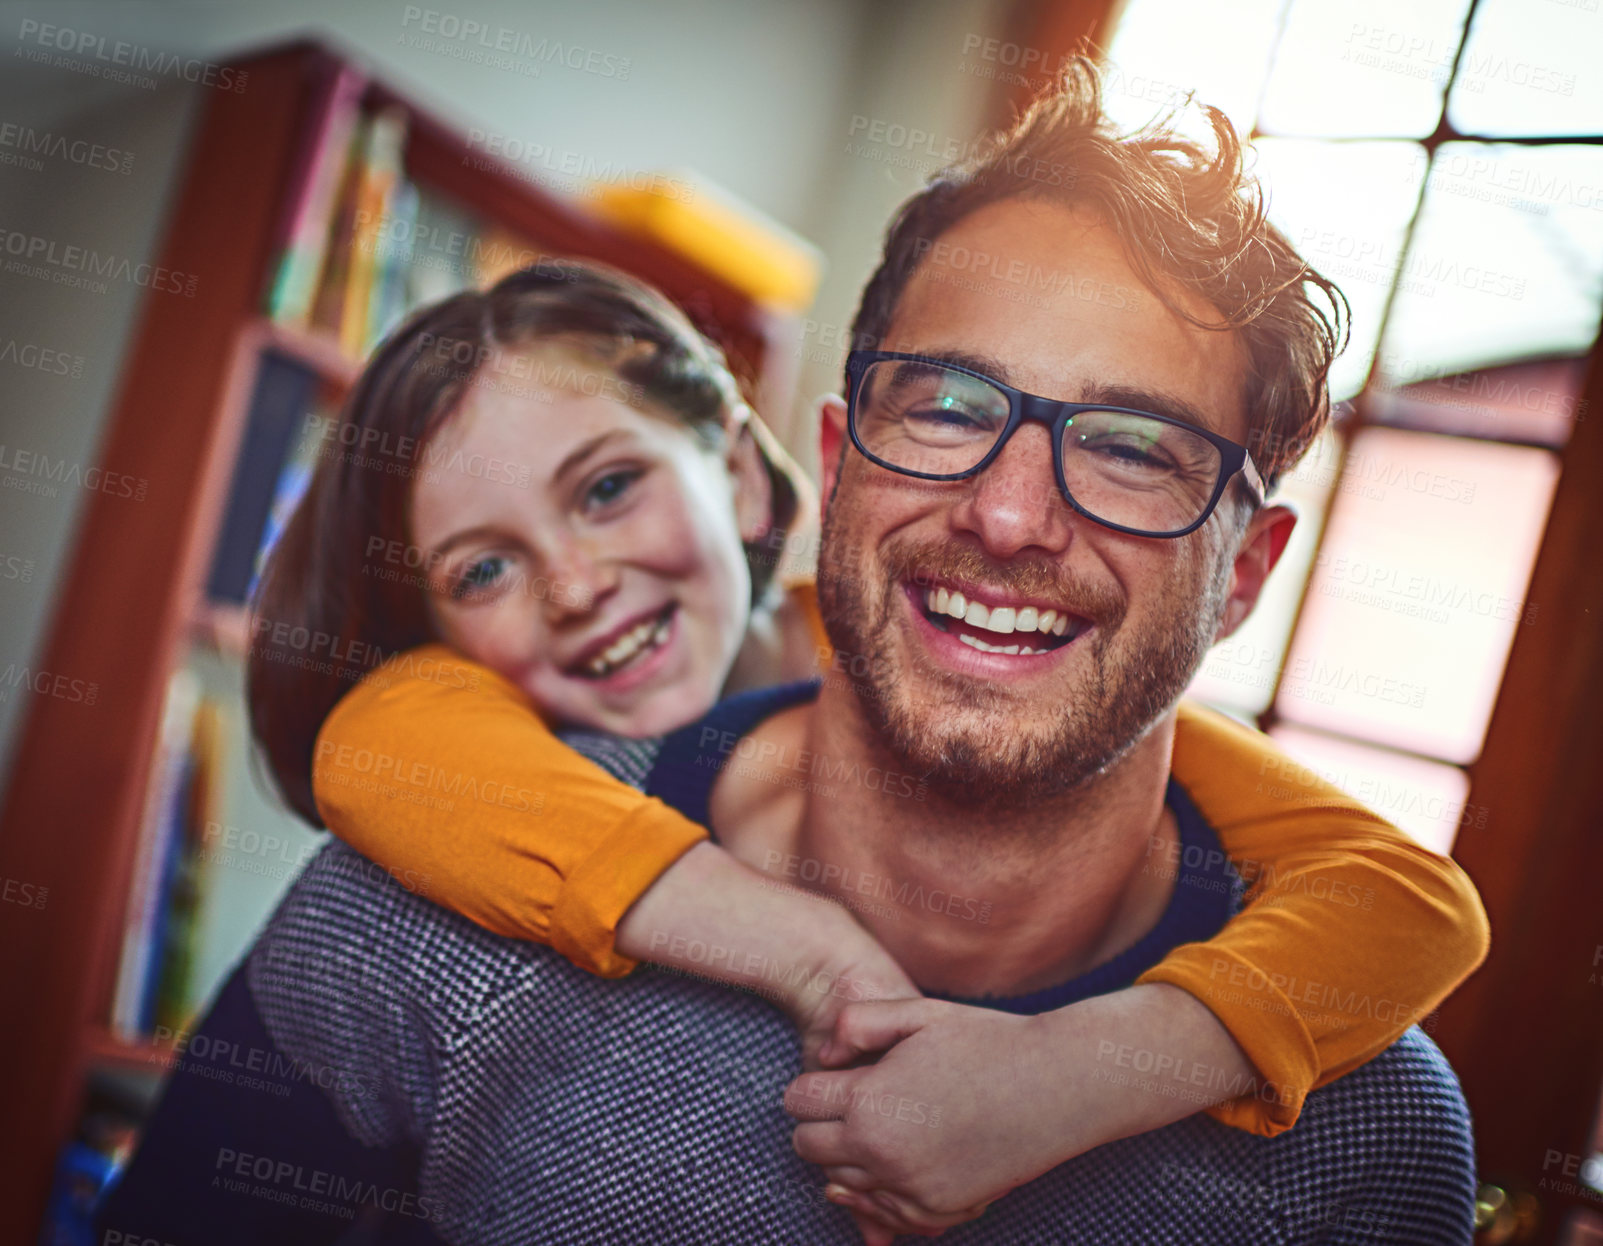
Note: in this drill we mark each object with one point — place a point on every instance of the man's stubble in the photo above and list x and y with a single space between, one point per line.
975 743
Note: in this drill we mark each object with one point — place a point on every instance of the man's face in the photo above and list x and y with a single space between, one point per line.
996 726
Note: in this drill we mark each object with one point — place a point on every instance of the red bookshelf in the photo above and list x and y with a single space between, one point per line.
134 596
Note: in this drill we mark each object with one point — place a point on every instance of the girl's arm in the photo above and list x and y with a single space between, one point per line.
438 769
533 841
1351 933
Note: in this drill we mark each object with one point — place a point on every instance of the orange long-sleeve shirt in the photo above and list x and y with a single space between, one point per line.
1351 932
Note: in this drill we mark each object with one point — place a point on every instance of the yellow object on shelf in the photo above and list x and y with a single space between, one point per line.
722 234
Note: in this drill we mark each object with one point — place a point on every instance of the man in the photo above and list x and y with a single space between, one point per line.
1029 587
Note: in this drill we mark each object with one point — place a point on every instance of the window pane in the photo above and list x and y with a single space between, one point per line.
1506 261
1531 68
1417 589
1163 48
1346 208
1536 402
1424 798
1367 68
1240 672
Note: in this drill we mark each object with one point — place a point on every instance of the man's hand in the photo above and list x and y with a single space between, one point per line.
967 1104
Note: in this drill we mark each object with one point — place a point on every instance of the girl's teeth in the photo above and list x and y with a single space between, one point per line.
650 633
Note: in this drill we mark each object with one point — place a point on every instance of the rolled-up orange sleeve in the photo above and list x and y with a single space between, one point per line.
1351 932
439 769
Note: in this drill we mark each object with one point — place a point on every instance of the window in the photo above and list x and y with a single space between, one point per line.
1440 160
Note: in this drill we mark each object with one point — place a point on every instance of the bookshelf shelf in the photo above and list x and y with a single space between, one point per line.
135 599
222 627
318 351
103 1049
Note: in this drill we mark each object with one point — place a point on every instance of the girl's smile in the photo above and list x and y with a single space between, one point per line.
613 588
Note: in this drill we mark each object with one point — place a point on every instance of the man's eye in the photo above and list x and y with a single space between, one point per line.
952 414
609 488
479 575
1129 451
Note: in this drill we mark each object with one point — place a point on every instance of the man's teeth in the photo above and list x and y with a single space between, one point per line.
1002 619
650 633
981 645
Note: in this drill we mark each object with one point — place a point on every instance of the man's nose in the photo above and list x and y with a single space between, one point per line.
579 577
1014 504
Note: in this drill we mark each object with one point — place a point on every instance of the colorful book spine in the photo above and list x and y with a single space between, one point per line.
134 966
314 189
388 304
172 999
380 173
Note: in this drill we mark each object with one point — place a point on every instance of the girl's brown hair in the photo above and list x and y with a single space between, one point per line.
341 591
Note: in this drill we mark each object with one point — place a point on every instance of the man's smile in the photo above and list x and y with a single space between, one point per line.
1014 635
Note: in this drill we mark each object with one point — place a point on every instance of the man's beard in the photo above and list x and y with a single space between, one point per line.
973 741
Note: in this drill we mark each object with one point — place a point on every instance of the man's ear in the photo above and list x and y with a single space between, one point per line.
831 441
1262 544
754 488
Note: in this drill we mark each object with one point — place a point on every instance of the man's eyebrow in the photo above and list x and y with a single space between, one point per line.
1155 401
984 364
1133 396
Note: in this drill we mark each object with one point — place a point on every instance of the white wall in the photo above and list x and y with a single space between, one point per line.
62 416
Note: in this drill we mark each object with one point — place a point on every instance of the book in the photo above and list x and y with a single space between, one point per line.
314 186
158 826
171 998
388 305
329 300
286 392
439 263
379 171
294 476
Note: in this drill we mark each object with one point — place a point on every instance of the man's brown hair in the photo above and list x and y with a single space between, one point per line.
1187 214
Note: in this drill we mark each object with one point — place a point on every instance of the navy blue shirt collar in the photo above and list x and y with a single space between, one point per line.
1206 891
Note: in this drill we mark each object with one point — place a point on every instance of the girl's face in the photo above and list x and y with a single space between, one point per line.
587 551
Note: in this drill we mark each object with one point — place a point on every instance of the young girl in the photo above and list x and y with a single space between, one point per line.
658 507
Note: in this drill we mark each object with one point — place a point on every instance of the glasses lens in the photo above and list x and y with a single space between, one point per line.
922 417
1137 471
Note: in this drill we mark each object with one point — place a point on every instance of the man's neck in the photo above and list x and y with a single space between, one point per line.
971 901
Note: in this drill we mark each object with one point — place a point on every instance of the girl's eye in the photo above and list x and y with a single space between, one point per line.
607 489
479 575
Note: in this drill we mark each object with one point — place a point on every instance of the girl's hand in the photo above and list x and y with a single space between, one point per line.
713 915
857 970
968 1103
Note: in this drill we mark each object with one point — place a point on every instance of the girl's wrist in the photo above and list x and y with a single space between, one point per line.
1139 1059
711 914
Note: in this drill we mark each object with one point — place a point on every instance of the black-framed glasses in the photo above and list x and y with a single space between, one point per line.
1132 471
